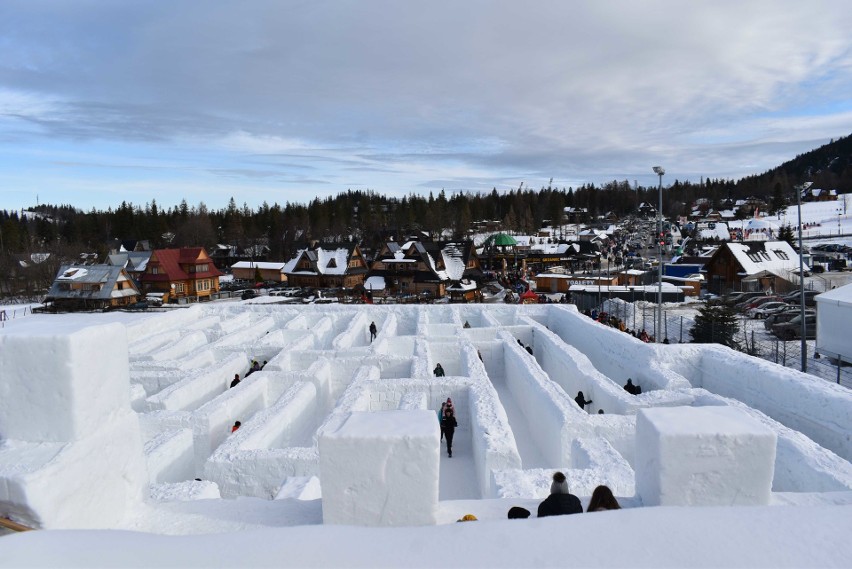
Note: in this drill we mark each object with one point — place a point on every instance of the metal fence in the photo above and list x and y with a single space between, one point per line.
789 354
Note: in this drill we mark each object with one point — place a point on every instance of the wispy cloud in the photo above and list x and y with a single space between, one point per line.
412 96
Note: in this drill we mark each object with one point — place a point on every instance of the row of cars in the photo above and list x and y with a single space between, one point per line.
782 315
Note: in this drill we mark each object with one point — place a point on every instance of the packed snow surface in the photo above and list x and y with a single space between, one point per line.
127 422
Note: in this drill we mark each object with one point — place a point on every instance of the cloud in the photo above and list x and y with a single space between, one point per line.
412 93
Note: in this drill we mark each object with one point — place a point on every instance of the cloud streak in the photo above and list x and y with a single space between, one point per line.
412 95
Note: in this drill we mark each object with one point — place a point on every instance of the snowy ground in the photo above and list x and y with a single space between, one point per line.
518 423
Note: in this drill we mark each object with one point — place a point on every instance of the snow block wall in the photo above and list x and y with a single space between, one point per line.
822 411
704 456
60 386
381 469
71 452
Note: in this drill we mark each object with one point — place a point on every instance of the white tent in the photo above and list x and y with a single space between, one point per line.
834 323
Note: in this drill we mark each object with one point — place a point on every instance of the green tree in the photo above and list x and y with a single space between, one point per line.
786 234
715 325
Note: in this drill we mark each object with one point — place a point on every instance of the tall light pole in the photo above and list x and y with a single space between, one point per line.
804 345
659 171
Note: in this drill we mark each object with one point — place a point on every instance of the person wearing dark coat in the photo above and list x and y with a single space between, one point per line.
438 371
373 331
236 380
448 425
629 387
581 400
560 502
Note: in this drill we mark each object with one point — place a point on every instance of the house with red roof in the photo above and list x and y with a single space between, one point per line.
186 273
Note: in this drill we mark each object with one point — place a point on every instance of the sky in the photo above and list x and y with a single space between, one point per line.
284 101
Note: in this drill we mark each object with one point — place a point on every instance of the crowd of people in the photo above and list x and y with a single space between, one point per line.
614 322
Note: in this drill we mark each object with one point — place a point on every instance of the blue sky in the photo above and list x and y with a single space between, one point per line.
281 101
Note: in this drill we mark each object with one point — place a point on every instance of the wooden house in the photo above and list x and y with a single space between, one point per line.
92 287
755 265
419 267
186 273
264 271
340 266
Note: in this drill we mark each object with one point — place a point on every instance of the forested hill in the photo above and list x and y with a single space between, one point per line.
828 167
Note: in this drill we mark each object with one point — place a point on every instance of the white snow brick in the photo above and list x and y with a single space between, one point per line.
381 469
703 456
60 386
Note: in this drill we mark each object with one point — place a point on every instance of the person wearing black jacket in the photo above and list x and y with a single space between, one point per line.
560 502
581 400
448 425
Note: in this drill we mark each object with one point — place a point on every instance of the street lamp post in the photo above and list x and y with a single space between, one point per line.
659 171
804 345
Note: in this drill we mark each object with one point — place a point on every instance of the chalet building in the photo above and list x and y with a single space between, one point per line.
264 270
92 287
575 214
181 274
340 266
433 267
755 265
818 195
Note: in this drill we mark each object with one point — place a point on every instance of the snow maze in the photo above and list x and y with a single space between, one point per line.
331 408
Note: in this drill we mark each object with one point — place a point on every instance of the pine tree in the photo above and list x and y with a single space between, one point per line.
786 234
715 324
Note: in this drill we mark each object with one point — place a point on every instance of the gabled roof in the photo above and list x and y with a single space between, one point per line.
323 261
776 257
171 261
134 261
103 275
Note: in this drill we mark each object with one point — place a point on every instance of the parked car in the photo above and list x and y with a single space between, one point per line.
247 294
757 301
782 316
792 330
796 297
736 297
154 298
765 309
140 305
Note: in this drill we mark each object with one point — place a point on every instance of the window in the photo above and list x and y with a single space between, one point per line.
202 285
179 288
154 269
781 254
754 257
198 268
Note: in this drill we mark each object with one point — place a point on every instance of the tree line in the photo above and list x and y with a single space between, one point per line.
370 218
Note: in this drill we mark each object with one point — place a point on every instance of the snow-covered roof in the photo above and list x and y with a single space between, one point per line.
777 257
760 224
326 261
462 286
